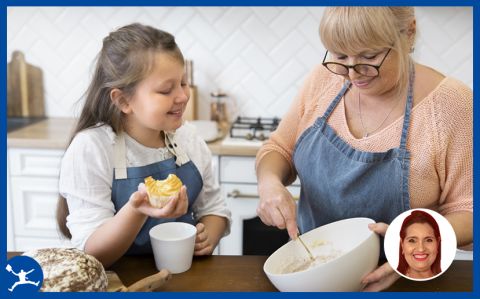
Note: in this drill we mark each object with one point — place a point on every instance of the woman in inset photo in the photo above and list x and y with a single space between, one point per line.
420 246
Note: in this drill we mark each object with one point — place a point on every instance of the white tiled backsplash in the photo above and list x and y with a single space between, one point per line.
258 55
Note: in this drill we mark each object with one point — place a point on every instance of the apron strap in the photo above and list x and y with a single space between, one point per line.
408 107
119 152
172 146
337 99
120 156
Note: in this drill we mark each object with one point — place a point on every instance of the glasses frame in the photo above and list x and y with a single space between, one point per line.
348 67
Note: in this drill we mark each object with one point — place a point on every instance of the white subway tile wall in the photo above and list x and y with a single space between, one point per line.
258 55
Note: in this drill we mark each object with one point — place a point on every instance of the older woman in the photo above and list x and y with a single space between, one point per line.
371 134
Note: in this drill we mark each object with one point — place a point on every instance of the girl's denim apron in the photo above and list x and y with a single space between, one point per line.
340 182
126 181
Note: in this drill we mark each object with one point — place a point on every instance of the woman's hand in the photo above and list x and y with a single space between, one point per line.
277 207
203 244
175 208
384 276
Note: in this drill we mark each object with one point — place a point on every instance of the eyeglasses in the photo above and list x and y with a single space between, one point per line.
367 70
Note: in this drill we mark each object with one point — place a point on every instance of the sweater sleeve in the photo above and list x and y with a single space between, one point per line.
453 117
284 138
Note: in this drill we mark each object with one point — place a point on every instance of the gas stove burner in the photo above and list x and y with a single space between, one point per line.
251 128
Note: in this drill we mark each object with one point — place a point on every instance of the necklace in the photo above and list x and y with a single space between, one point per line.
365 131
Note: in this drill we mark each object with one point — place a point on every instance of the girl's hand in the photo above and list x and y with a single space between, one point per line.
384 276
277 208
203 246
177 207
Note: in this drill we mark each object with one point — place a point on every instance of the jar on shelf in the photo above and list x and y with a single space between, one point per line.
218 108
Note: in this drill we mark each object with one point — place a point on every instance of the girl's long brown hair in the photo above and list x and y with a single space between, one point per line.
125 59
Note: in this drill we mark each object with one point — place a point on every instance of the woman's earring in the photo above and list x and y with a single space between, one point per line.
412 49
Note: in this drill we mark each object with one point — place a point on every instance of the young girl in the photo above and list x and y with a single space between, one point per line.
131 128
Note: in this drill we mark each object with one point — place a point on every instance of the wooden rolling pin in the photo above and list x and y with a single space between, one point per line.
147 284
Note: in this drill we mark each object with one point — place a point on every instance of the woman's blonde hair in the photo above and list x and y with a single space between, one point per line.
350 30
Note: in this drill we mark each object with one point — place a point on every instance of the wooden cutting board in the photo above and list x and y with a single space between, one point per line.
25 94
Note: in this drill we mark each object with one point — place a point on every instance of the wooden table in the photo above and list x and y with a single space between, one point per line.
210 274
245 274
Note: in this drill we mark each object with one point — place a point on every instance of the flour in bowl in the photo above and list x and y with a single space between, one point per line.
302 264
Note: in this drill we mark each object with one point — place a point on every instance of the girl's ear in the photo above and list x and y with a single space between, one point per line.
119 100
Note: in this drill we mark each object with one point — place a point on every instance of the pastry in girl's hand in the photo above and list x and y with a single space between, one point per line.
160 192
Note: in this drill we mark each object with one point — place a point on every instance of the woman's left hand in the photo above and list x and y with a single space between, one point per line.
203 246
384 276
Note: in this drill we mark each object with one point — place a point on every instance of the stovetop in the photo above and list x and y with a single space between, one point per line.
253 128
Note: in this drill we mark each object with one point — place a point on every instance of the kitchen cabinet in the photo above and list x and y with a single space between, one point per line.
32 188
238 182
10 245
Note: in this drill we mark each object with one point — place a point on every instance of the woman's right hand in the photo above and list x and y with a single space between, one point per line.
175 208
277 207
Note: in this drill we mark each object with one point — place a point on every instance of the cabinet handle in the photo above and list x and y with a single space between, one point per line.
237 194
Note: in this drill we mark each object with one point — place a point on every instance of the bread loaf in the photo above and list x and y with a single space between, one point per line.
69 270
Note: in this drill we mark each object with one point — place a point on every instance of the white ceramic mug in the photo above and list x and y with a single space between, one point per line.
173 244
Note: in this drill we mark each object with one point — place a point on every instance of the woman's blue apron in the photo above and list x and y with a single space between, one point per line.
126 181
339 182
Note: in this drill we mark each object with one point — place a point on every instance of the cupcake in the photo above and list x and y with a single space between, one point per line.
160 192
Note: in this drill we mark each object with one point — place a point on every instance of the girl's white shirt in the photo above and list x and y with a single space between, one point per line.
86 177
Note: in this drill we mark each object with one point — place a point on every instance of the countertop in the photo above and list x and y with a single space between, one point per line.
54 133
245 274
219 273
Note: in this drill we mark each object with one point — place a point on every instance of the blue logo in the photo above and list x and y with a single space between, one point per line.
24 275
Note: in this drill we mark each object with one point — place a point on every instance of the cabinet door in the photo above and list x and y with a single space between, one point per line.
242 201
34 204
31 162
10 242
237 170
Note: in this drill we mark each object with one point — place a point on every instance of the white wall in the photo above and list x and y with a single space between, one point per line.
258 55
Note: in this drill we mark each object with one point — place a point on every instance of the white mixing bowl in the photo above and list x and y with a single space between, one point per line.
352 250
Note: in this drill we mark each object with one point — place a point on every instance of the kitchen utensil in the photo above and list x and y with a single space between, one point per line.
306 248
190 112
24 88
353 252
147 284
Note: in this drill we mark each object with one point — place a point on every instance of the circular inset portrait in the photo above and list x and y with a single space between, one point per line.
420 244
